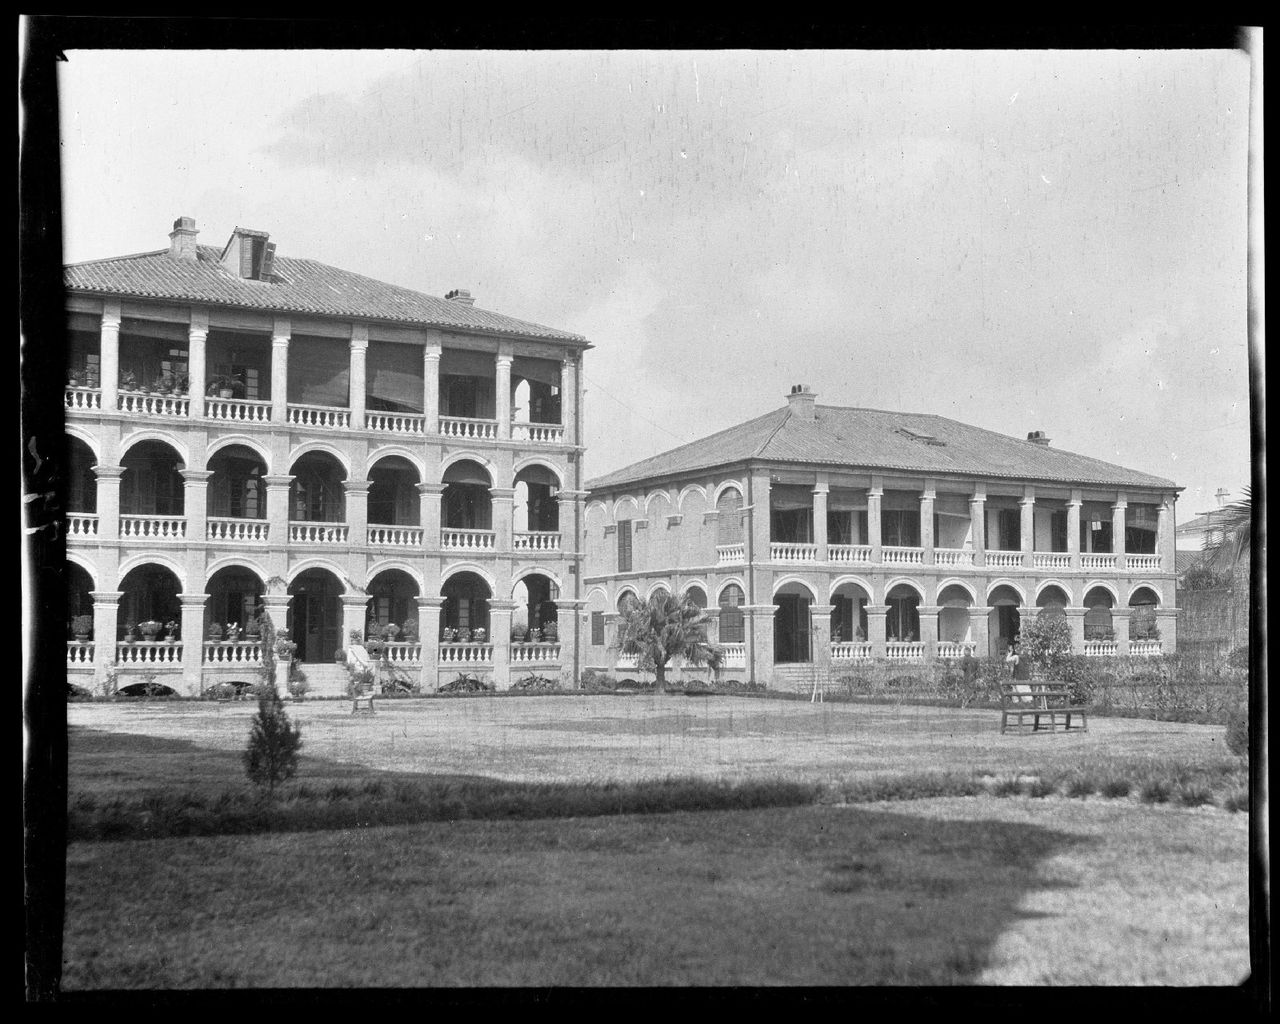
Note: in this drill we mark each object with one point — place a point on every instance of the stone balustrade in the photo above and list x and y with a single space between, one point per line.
395 536
406 654
1101 648
543 652
629 662
83 399
536 540
952 557
1096 562
1145 648
318 533
153 528
1004 559
236 410
899 650
848 554
82 525
468 429
414 424
80 655
326 417
735 655
1143 563
467 540
955 648
465 654
789 552
237 531
850 651
897 555
731 554
1051 560
136 403
238 653
538 433
149 652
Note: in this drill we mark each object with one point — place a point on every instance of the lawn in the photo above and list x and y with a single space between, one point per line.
938 891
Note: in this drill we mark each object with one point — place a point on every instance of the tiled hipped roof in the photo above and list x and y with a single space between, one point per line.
874 439
296 286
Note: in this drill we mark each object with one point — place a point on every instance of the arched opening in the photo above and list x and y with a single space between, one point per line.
791 624
537 505
316 494
152 484
236 490
466 605
79 601
1003 621
315 615
902 623
955 623
661 593
849 614
732 624
235 597
1052 603
393 493
1141 524
535 598
1142 616
466 502
82 482
729 518
393 595
149 595
626 600
1098 625
697 595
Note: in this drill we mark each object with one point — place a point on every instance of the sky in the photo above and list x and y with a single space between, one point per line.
1039 240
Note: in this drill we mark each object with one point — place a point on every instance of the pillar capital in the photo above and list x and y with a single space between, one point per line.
502 606
359 337
196 476
111 315
281 328
979 492
430 602
278 481
430 488
108 472
356 486
821 609
193 600
105 597
502 493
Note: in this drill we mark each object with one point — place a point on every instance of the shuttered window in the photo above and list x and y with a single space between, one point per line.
624 545
597 629
731 621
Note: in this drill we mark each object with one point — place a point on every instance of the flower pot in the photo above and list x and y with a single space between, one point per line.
224 392
82 638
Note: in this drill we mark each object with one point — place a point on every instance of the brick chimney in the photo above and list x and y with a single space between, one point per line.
182 239
461 295
1039 437
802 401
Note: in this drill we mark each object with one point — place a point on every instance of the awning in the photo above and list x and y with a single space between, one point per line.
393 375
319 370
544 371
783 497
462 362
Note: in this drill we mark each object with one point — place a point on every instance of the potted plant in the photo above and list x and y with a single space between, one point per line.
128 380
181 384
149 629
535 635
340 655
374 646
448 635
478 635
233 632
222 386
518 632
410 631
551 631
253 629
171 630
73 378
390 631
81 627
130 633
215 631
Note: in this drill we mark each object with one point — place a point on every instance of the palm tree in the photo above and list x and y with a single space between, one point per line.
663 628
1236 522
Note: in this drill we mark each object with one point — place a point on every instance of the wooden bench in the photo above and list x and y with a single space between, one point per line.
362 703
1040 701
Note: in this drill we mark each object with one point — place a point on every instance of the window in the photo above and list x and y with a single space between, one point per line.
792 525
1008 529
839 527
900 527
624 545
597 629
1095 535
732 629
1058 531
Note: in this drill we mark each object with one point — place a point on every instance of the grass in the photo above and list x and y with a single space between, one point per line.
638 849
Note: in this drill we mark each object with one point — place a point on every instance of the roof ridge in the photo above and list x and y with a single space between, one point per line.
118 259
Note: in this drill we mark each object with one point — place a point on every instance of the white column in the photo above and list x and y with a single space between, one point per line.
874 494
927 539
278 509
356 514
503 387
1165 537
500 637
108 502
195 503
820 491
109 355
1117 534
1073 536
429 517
1027 528
569 399
431 383
429 633
197 334
978 524
503 515
106 616
280 335
193 642
359 348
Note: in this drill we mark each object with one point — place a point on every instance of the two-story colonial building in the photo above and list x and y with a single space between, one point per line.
818 536
252 431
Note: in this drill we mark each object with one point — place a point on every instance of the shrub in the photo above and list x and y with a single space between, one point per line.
1193 794
78 693
1046 641
298 685
1238 729
1237 800
1040 787
466 684
272 754
535 683
597 682
219 691
1155 791
1115 786
340 655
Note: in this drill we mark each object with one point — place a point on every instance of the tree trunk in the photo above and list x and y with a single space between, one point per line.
660 675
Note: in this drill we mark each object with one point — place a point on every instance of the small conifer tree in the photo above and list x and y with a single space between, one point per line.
272 754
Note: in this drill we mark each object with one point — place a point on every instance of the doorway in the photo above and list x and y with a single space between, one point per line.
791 629
316 615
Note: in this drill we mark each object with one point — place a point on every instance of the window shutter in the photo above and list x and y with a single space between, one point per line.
624 545
597 629
268 260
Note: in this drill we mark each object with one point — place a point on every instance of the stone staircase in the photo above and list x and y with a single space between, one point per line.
325 679
799 679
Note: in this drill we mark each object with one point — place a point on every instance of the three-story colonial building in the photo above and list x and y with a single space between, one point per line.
818 536
251 432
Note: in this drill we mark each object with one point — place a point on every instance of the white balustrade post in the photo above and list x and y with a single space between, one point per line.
820 633
1027 526
820 491
1073 534
978 525
429 515
980 630
927 539
758 624
1117 534
929 630
503 386
359 350
431 383
192 637
109 355
106 630
195 503
197 334
1120 623
280 371
877 625
355 613
108 501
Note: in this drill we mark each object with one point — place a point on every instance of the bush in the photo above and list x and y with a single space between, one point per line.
78 693
272 754
535 683
1237 800
1115 786
1155 791
737 686
219 691
466 684
1238 729
1046 641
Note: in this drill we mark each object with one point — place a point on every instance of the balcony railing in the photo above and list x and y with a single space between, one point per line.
903 556
396 423
904 651
849 553
731 554
1142 563
535 653
325 416
1146 648
82 524
318 533
536 540
157 528
237 531
149 652
405 655
80 655
1004 559
952 556
237 410
788 552
246 653
1051 560
135 403
468 429
467 540
851 650
631 662
84 399
1100 648
466 654
735 655
395 536
955 648
538 433
1097 561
